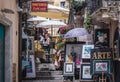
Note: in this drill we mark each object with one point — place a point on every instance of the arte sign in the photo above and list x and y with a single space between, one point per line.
39 6
101 54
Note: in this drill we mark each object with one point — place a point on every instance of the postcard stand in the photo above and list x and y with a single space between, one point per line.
69 70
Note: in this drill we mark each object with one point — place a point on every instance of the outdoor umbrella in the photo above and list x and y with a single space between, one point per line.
37 18
76 32
54 12
51 24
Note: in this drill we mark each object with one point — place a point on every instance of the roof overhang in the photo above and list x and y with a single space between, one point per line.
97 16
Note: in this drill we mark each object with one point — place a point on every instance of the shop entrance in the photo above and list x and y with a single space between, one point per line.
2 52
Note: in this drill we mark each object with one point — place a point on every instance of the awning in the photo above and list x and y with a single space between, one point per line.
97 16
54 15
54 12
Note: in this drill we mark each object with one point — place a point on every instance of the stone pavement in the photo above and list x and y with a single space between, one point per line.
48 81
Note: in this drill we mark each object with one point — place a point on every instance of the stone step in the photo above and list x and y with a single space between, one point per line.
48 81
49 72
56 76
42 81
46 66
49 78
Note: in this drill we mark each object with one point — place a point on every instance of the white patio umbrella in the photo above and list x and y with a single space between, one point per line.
76 32
50 23
37 18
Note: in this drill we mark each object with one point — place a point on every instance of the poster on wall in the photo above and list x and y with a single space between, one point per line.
86 51
31 67
73 51
85 72
101 38
69 68
102 66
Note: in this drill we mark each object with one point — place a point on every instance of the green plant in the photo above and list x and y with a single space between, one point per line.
88 22
78 6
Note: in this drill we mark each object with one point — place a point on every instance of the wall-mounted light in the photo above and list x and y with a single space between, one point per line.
5 10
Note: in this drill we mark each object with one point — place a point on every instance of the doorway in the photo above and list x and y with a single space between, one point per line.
2 52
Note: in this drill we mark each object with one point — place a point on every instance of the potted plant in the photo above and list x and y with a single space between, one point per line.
88 23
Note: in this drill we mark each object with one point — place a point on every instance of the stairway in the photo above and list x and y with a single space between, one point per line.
46 73
49 75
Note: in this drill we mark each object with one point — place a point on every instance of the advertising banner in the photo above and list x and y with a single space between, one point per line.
39 6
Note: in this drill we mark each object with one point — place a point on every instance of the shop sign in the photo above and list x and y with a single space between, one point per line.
99 54
39 6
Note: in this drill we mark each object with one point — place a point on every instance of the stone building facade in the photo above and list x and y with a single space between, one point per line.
9 27
103 17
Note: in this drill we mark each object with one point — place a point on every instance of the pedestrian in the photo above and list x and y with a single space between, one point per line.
46 43
41 40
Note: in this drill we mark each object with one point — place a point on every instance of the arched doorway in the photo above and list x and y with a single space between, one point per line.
2 52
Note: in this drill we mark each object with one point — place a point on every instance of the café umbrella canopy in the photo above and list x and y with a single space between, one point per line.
37 18
51 24
76 32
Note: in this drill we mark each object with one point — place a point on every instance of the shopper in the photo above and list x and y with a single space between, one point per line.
46 43
41 40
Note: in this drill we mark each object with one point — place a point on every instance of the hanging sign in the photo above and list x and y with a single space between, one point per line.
39 6
101 61
99 54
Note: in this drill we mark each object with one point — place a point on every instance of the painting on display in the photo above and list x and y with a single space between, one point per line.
86 51
69 68
85 72
73 51
101 66
31 67
101 38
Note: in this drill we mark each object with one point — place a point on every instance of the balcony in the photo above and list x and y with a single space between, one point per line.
94 5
